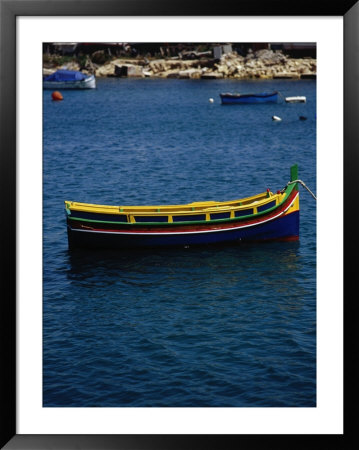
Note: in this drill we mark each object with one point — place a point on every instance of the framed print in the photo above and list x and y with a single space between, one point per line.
208 336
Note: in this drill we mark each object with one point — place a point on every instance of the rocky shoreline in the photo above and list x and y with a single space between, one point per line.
263 64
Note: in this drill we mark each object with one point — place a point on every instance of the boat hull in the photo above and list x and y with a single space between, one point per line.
284 229
87 83
233 99
282 224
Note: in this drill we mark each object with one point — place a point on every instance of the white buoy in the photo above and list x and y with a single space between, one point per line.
211 100
276 118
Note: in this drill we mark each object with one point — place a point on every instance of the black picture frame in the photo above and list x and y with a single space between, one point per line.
9 10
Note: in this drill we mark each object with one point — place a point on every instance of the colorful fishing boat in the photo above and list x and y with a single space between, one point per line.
262 217
69 79
237 98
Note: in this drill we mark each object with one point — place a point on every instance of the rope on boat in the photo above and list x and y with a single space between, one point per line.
303 184
281 95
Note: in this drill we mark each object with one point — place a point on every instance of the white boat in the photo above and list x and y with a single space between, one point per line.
69 79
297 99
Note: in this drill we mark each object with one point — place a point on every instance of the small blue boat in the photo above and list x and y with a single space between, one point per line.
235 99
69 79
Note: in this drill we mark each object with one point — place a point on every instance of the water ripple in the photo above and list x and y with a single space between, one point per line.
225 326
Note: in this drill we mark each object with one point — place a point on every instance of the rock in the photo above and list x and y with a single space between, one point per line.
174 74
264 64
211 75
158 65
72 65
284 75
128 70
46 72
223 69
105 71
190 73
269 57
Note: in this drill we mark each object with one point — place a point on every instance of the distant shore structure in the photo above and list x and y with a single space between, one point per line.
184 60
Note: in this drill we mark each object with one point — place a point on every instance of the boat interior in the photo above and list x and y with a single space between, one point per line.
208 210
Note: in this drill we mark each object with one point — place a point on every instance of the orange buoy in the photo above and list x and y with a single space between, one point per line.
57 96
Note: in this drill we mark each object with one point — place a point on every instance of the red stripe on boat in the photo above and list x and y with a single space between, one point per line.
205 228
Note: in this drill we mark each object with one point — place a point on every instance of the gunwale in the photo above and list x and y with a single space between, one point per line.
252 94
191 209
192 227
182 208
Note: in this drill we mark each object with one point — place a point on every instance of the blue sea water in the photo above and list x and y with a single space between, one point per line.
231 326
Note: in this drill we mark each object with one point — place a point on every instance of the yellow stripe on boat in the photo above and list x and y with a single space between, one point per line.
254 202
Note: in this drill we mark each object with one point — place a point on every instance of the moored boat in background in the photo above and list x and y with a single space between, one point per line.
69 79
262 217
237 98
297 99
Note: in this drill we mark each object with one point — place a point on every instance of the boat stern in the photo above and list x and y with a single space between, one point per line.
291 215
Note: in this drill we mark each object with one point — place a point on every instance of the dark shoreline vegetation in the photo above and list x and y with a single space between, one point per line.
253 64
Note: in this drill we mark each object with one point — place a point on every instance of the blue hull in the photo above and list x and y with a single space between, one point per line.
233 99
284 228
